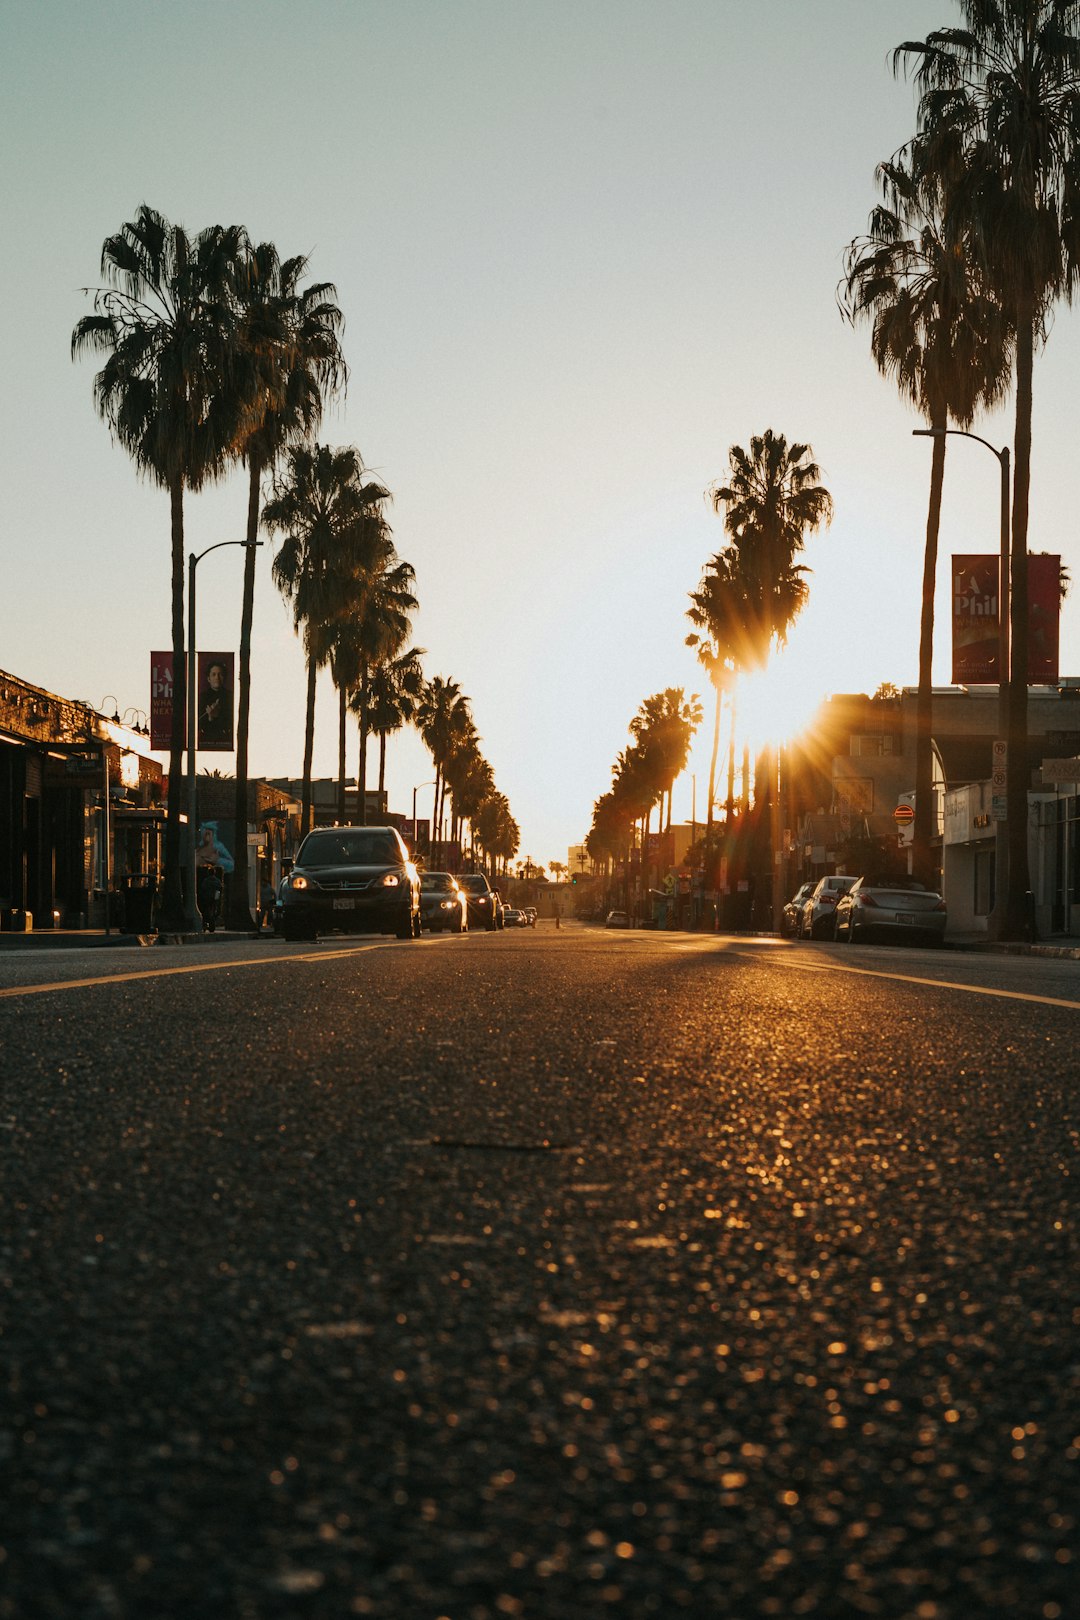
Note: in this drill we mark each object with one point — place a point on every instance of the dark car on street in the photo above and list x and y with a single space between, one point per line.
353 880
485 910
443 904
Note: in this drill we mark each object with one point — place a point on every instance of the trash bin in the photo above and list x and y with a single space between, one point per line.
137 891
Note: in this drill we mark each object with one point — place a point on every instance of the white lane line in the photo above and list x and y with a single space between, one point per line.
194 967
907 978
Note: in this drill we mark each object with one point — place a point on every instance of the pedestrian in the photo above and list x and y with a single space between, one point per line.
208 895
266 903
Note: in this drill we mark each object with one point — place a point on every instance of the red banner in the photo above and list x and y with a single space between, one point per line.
161 700
975 639
975 619
1044 617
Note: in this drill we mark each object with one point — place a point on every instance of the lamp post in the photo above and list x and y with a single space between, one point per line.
415 791
997 916
192 916
106 836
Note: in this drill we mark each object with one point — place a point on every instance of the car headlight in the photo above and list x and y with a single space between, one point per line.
299 882
448 905
390 880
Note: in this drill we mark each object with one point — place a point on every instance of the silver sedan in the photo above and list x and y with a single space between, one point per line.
891 908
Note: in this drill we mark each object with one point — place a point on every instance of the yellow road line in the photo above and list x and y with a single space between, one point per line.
193 967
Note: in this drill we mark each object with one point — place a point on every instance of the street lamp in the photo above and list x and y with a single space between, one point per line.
1001 828
192 916
415 791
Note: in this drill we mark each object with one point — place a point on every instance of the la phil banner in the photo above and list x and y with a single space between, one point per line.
976 647
214 707
161 700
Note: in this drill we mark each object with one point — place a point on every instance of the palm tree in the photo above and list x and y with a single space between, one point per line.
442 716
395 687
999 123
663 729
717 611
290 359
380 628
164 322
773 500
328 516
938 330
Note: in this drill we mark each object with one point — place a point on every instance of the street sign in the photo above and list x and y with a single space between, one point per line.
903 815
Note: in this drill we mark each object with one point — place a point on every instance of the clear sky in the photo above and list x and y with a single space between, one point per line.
582 247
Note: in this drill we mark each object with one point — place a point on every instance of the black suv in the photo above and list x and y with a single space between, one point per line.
353 879
484 908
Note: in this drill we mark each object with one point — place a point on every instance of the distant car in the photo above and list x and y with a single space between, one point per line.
818 913
617 919
352 879
483 902
891 908
530 916
791 918
443 905
514 917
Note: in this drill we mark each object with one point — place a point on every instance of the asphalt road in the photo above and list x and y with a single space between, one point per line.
542 1274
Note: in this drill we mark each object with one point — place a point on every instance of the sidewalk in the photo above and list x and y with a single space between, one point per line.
81 939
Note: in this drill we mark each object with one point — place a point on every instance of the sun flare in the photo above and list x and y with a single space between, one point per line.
780 702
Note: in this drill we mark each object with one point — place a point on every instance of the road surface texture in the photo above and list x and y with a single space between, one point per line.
551 1275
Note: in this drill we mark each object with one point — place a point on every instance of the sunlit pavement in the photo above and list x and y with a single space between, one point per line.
547 1273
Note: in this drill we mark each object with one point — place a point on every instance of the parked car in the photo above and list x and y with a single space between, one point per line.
791 919
891 908
443 905
818 913
483 902
617 919
353 879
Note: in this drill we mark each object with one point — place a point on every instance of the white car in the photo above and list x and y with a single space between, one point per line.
617 919
819 912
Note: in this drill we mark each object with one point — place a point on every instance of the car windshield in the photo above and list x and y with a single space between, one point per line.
436 882
474 882
350 846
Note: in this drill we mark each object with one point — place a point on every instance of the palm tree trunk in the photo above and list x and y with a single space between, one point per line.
923 830
343 709
239 908
309 747
714 756
382 761
729 802
1016 916
172 907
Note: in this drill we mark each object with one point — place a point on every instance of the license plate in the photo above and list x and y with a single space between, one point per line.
344 905
905 917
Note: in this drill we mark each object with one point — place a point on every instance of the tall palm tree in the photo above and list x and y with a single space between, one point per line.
381 624
772 500
717 611
164 322
442 716
290 362
999 120
395 688
940 332
326 514
663 729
